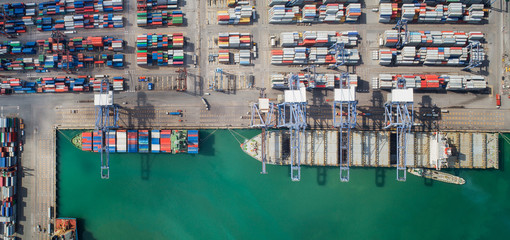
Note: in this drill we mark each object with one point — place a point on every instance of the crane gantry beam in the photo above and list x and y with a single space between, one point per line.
399 114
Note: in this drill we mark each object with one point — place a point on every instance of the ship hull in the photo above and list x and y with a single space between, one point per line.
436 175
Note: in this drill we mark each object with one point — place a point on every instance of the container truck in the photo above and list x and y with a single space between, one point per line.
206 104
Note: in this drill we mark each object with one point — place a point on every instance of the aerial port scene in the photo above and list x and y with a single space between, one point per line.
245 119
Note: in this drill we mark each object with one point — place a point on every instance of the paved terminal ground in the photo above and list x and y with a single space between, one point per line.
140 108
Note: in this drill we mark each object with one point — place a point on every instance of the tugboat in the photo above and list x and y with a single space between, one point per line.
436 175
65 228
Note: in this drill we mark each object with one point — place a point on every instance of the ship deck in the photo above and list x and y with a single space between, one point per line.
375 149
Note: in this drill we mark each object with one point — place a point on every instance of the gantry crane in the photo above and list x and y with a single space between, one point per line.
403 34
218 80
311 76
104 107
338 50
292 3
292 115
344 118
476 55
262 116
399 114
64 52
182 79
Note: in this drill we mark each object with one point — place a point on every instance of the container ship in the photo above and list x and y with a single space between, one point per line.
141 141
65 228
433 150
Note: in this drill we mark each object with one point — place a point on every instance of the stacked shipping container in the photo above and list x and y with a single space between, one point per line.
86 141
121 141
236 15
147 43
313 55
431 38
10 149
312 13
421 13
193 141
432 82
455 56
155 141
165 141
132 141
142 141
321 80
318 38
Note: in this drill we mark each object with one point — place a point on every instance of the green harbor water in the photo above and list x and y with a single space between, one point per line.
220 194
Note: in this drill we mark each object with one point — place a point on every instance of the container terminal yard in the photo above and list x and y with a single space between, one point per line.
342 83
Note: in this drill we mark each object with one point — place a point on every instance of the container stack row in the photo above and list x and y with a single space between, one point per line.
75 22
432 82
143 141
421 13
455 56
17 17
237 15
17 48
157 4
10 150
78 44
60 61
435 1
327 13
160 57
432 38
56 84
121 141
153 13
307 80
152 49
193 141
313 55
234 40
54 7
159 18
318 38
160 41
111 141
302 2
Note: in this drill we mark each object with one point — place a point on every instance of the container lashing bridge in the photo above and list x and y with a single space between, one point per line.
262 116
344 118
401 27
292 115
104 108
399 114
